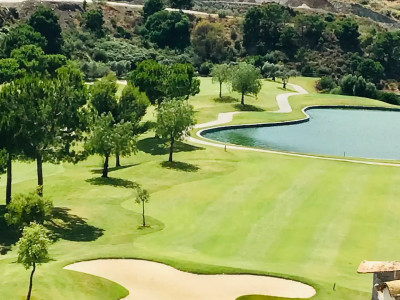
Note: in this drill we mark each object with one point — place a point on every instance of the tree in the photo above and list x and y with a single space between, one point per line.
160 81
326 84
32 60
151 7
386 50
180 81
142 197
108 137
33 249
3 161
285 74
288 41
20 36
132 105
262 26
246 80
103 95
28 58
94 21
174 118
271 70
348 35
310 28
371 70
149 78
347 84
50 115
28 208
9 70
168 29
221 74
45 21
181 4
208 40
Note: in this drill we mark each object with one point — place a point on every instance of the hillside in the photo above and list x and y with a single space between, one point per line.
379 11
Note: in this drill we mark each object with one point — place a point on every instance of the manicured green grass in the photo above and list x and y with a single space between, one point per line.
217 212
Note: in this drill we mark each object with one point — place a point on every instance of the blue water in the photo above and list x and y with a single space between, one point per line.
335 132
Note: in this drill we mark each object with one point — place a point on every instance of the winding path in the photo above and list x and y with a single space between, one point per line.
146 280
282 101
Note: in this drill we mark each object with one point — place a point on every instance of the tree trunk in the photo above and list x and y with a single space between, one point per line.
39 170
28 297
220 90
242 102
105 167
171 149
144 220
117 161
284 85
9 179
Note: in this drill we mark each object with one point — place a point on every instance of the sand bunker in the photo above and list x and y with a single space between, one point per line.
147 280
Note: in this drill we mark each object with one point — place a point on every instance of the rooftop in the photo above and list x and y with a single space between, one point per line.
378 266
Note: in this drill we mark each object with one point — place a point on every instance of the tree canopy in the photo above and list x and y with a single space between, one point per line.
161 81
348 34
168 29
208 40
108 137
33 249
48 115
150 7
103 95
94 21
27 208
246 80
181 4
45 21
20 36
174 118
221 74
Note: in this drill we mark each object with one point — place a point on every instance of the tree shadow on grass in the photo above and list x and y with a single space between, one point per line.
155 146
247 107
67 226
9 235
180 166
225 99
112 169
115 182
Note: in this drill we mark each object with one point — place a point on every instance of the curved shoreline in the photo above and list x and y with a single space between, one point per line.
209 142
147 280
292 122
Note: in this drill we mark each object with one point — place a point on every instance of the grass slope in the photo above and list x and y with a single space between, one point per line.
215 212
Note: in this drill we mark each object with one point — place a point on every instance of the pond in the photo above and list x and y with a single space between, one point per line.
344 132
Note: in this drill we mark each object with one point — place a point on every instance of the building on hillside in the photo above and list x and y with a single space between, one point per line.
386 275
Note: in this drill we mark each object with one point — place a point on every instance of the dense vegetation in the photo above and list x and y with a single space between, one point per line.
314 44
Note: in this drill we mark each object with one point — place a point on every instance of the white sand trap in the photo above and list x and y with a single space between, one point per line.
147 280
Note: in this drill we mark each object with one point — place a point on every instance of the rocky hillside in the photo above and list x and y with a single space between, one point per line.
378 10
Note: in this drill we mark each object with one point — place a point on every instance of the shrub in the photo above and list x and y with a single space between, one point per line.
347 84
326 83
27 208
93 70
308 71
205 68
387 97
